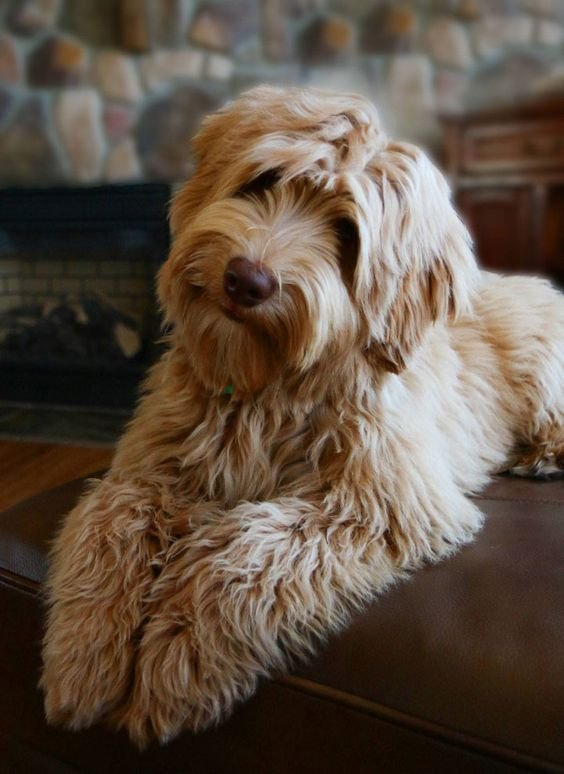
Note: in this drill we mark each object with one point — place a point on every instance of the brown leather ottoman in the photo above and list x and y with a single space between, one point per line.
460 669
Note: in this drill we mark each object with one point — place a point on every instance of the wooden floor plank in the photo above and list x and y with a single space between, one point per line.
27 469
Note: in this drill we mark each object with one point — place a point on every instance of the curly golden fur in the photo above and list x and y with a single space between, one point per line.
382 382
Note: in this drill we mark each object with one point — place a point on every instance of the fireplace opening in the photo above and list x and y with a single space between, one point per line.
78 318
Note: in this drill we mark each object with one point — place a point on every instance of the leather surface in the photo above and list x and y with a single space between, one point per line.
460 668
476 643
27 528
280 731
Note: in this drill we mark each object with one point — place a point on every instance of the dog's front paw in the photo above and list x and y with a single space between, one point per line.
165 676
100 572
82 683
87 660
182 682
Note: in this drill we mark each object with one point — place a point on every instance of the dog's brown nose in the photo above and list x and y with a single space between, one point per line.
247 284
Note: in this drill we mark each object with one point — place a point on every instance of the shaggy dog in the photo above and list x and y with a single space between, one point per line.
339 377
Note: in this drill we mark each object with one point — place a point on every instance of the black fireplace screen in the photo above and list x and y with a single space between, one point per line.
78 319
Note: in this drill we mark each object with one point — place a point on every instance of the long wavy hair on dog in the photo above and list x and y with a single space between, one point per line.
297 450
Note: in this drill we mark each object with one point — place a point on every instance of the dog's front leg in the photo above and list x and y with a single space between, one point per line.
101 570
237 597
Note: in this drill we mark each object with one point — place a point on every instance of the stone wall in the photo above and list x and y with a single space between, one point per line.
78 106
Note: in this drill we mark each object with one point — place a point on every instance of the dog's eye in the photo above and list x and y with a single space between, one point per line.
346 230
262 182
347 234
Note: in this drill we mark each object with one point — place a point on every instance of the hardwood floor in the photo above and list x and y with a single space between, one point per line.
29 468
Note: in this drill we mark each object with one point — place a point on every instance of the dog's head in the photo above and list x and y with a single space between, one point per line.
304 235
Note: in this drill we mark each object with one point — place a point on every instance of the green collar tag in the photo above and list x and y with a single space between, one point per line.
228 390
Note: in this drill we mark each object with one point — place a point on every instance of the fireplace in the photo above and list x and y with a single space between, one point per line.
78 319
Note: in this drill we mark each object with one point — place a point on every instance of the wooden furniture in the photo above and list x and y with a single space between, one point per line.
27 468
507 171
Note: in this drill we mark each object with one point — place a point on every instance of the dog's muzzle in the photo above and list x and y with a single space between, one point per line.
247 284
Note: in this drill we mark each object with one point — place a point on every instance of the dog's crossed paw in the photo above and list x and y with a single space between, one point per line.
174 689
80 688
160 703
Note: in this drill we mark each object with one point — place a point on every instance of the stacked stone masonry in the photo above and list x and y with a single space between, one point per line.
79 105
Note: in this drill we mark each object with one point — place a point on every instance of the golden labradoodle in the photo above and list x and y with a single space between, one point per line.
339 377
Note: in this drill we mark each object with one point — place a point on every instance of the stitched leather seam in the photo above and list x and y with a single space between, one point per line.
19 582
366 706
417 724
521 500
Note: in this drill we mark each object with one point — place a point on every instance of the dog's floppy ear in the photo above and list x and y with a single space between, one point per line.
418 267
220 150
208 181
197 191
220 166
422 298
185 206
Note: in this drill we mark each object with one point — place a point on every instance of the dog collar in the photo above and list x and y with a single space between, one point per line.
228 390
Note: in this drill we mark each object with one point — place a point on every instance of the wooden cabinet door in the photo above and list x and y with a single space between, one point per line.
552 237
500 221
